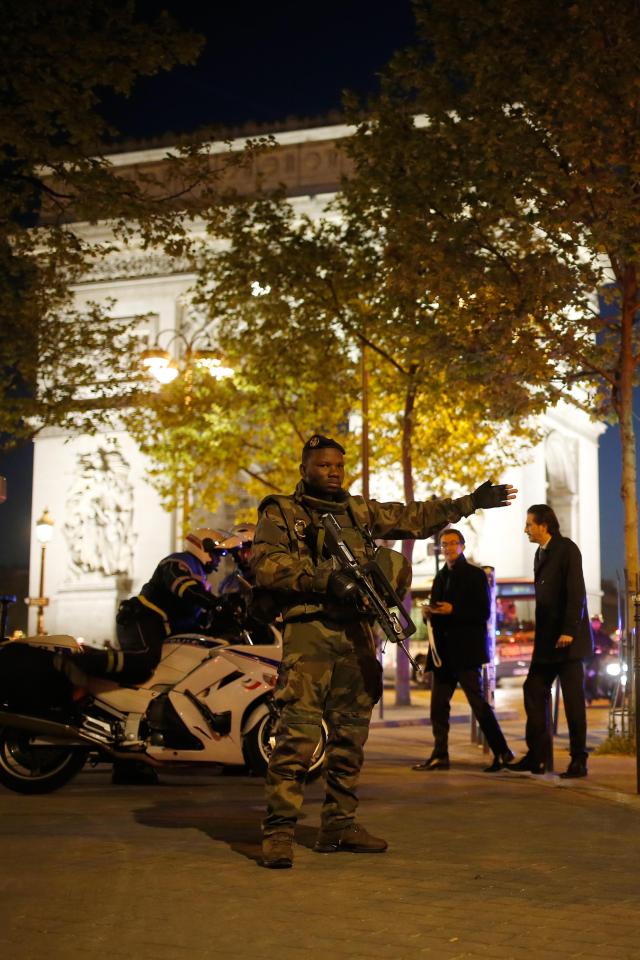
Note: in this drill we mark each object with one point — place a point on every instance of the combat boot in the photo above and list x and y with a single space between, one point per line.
353 839
277 851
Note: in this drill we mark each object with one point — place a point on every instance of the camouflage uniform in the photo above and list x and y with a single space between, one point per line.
329 668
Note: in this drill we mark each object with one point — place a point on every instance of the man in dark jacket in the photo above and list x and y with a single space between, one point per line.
562 641
459 611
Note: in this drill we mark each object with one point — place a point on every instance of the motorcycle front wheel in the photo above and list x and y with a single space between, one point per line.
258 745
27 767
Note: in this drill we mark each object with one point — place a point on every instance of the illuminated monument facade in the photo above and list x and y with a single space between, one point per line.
110 527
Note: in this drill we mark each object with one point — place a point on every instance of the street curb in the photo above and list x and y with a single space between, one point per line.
418 722
552 781
426 722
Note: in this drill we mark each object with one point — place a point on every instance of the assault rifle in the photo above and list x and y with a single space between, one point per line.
377 595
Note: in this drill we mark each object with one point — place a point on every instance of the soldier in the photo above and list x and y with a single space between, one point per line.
329 668
239 583
239 546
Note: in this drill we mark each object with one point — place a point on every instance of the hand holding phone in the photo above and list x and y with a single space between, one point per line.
441 607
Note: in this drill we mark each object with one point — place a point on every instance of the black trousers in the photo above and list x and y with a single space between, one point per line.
537 700
445 681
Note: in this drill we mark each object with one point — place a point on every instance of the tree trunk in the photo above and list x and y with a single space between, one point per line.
365 421
403 667
624 405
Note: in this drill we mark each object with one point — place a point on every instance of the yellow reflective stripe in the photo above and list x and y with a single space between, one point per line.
185 585
178 580
175 582
152 606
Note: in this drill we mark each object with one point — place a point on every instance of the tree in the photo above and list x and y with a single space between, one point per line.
516 189
236 439
292 376
297 299
61 364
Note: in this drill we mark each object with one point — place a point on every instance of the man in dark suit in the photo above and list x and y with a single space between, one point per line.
562 641
459 611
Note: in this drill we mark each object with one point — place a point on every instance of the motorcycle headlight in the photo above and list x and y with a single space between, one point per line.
613 669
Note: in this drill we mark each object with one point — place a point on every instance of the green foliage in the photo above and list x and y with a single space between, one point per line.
501 165
502 177
241 438
293 300
58 59
616 745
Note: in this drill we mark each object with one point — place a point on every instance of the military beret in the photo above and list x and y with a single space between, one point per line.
318 442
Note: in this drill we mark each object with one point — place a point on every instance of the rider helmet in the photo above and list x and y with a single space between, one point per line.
239 543
206 544
241 536
245 531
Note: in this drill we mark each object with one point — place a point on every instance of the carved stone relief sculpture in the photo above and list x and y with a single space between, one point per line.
99 525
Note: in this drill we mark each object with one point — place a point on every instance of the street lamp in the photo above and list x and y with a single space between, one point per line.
164 368
44 532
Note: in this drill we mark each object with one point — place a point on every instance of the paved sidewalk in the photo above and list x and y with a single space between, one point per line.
502 866
613 774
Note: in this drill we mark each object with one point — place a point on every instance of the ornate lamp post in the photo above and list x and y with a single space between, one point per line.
44 532
165 368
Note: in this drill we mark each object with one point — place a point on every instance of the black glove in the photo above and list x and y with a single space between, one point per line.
489 495
342 586
204 599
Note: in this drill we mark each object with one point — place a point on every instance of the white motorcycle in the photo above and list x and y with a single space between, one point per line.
209 702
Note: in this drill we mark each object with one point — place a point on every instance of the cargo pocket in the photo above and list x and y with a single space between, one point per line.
290 684
372 677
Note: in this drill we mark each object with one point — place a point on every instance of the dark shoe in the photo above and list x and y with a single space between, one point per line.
500 761
133 773
277 851
434 762
526 765
353 839
577 768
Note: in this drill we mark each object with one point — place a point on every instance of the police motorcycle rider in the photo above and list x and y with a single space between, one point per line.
239 546
177 599
241 584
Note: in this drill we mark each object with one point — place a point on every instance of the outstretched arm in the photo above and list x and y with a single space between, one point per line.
399 521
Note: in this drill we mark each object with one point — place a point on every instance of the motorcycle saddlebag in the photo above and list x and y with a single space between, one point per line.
29 682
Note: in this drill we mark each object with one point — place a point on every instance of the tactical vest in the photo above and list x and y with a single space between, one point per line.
306 538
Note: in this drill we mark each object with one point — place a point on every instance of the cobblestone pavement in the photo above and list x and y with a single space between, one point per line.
479 866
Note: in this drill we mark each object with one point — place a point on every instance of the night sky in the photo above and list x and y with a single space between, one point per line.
263 64
266 62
